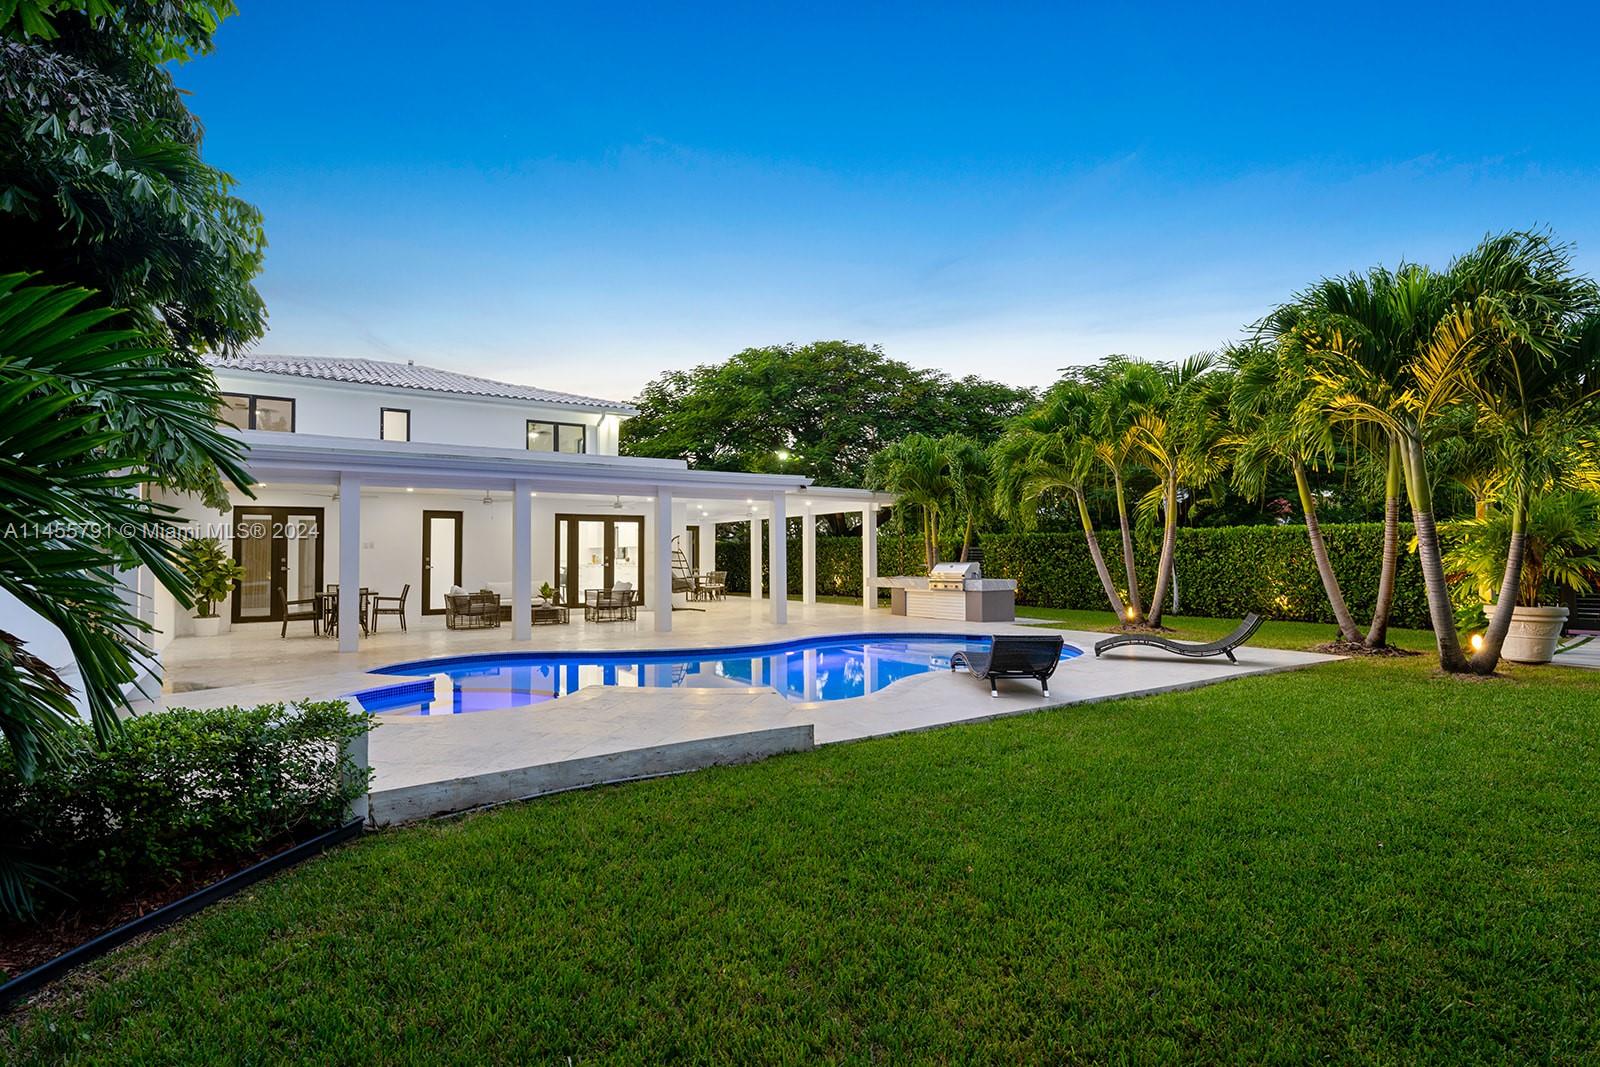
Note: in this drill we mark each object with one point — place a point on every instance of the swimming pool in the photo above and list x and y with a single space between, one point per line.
817 668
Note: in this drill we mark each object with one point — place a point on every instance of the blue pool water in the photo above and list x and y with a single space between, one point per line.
821 668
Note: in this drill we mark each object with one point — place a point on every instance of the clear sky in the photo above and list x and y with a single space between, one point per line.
581 196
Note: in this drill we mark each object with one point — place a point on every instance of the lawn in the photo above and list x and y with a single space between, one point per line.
1360 861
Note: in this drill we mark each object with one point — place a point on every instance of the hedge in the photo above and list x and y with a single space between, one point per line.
1223 572
179 788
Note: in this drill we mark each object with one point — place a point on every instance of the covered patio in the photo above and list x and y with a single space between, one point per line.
410 522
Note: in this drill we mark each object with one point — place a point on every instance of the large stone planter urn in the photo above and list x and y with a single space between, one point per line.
1534 634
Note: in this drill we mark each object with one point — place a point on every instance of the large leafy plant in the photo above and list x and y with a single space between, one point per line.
1561 549
210 571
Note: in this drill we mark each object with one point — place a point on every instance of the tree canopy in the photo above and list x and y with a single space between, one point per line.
820 410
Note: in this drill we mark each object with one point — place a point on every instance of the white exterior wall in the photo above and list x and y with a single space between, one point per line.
391 543
339 409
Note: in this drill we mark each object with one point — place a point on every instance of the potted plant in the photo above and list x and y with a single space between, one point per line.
211 574
1563 533
547 593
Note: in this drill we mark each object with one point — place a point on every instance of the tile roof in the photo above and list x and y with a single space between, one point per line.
403 376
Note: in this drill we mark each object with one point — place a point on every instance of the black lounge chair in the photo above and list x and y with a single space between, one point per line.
1013 656
1223 646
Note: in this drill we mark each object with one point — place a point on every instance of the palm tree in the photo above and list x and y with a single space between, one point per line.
1051 449
970 475
1531 372
1123 387
1379 320
1273 427
1178 431
916 470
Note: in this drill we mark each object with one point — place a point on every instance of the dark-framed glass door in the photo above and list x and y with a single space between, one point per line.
279 549
441 558
597 552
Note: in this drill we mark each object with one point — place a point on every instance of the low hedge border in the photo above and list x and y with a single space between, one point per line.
180 788
1223 572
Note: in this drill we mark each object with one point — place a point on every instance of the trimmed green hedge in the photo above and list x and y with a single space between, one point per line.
179 788
1223 572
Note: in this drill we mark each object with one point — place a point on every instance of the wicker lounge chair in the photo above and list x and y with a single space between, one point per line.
1013 656
1221 647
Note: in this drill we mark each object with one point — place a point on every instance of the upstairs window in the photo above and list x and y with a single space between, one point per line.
245 412
556 436
394 425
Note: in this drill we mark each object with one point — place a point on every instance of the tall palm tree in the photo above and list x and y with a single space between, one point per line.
1049 450
1532 377
1178 431
1273 427
916 470
1380 320
970 474
1123 386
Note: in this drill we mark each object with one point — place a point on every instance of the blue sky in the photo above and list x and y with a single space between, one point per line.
582 196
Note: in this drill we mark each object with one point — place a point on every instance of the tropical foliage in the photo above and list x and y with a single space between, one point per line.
210 572
821 410
1560 549
1484 376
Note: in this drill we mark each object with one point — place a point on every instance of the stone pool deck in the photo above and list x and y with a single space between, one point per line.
432 765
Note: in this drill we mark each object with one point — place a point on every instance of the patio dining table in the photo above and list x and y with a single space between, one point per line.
328 605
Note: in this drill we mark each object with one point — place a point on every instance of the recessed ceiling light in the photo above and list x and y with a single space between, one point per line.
410 490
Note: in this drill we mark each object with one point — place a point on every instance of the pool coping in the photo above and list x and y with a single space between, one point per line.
415 679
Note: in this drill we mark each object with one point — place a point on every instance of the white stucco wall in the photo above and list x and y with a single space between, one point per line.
343 410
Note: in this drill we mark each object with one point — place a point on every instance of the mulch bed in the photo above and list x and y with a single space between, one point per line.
24 946
1356 648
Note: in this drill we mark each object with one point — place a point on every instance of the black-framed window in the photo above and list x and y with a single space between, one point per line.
556 436
248 412
394 424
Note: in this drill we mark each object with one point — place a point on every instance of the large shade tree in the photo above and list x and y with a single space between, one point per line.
821 410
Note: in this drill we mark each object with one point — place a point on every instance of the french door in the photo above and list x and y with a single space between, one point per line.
597 552
280 550
441 558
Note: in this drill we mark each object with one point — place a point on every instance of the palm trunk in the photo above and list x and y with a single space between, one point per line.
928 537
1319 552
1099 558
1486 658
1169 545
966 539
1439 610
1135 602
1378 632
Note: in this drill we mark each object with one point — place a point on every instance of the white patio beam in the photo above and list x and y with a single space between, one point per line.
661 582
349 562
778 553
522 561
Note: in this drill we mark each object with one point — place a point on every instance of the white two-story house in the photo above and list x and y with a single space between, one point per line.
411 481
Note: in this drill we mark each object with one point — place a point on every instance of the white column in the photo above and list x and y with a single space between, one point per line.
522 561
755 560
778 552
708 546
349 562
869 557
661 580
808 557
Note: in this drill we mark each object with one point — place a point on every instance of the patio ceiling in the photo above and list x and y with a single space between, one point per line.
318 463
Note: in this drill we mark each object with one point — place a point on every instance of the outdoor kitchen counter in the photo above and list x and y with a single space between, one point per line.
968 598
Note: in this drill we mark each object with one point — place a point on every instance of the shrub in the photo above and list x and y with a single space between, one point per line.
1222 571
178 788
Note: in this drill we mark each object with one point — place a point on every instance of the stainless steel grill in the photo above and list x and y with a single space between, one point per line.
953 576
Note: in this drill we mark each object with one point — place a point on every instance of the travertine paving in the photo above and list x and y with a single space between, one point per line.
476 758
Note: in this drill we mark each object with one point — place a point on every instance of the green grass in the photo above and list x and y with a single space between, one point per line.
1358 862
1274 634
